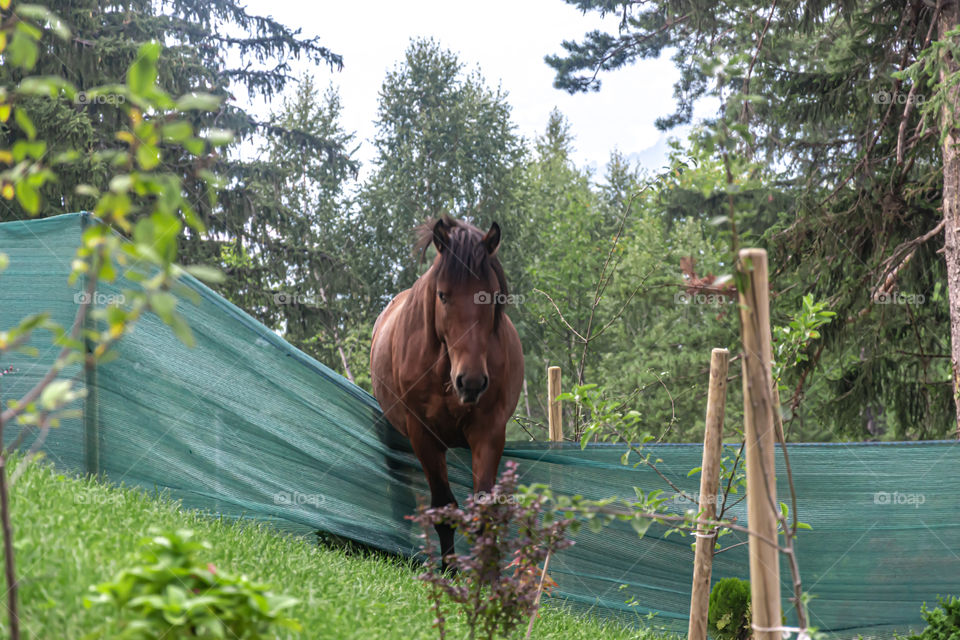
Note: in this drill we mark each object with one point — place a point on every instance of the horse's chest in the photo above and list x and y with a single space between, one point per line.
448 420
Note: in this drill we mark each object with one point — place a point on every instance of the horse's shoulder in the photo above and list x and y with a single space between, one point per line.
390 311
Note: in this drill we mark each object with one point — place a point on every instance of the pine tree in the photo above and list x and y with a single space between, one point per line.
818 94
215 47
445 144
306 278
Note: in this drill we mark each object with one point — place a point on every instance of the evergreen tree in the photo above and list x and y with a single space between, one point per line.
306 277
566 234
445 144
825 95
216 47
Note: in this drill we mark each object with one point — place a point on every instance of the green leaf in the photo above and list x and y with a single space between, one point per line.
595 525
87 190
219 137
182 330
198 101
142 75
148 156
28 197
57 394
190 216
25 123
66 157
49 86
121 183
45 16
163 304
177 131
194 146
23 148
641 525
205 273
213 628
30 29
22 50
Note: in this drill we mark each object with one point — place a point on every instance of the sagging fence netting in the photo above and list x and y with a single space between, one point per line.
243 424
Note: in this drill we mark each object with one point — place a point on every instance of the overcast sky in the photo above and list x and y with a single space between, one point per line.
507 39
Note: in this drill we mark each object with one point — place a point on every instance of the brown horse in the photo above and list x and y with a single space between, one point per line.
446 362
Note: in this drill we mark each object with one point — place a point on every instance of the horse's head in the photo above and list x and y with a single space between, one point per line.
468 288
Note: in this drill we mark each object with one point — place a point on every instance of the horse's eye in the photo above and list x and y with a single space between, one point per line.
442 296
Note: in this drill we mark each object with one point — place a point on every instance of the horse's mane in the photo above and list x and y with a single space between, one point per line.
465 256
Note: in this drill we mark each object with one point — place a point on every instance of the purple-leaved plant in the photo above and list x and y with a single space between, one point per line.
497 583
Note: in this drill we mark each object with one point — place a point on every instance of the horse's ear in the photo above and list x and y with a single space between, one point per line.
441 235
492 240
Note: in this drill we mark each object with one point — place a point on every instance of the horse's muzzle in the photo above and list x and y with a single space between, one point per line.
470 388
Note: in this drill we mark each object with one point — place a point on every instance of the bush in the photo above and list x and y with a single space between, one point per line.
729 615
172 594
493 600
943 623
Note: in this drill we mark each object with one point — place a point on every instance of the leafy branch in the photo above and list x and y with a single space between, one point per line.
144 200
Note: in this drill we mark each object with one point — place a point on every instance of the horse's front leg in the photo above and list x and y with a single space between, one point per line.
433 459
486 449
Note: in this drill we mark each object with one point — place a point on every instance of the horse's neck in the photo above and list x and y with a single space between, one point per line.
417 315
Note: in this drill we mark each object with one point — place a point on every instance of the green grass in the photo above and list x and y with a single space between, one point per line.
71 533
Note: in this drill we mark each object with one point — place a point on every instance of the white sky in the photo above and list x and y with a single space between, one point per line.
507 39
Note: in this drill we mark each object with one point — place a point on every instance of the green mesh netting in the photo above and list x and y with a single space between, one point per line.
244 424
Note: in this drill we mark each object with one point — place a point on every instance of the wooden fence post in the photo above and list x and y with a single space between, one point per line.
709 485
758 418
555 423
555 416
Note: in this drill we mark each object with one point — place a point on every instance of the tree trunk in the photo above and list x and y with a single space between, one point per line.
949 18
526 399
13 616
336 335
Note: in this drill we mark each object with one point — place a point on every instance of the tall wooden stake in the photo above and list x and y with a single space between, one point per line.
13 615
709 484
555 422
758 418
555 416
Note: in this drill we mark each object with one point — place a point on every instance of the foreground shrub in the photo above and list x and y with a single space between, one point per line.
943 623
728 617
498 582
172 594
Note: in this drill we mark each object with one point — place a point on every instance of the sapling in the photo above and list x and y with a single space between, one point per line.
498 582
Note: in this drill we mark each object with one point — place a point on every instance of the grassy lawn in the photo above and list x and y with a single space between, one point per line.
71 533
